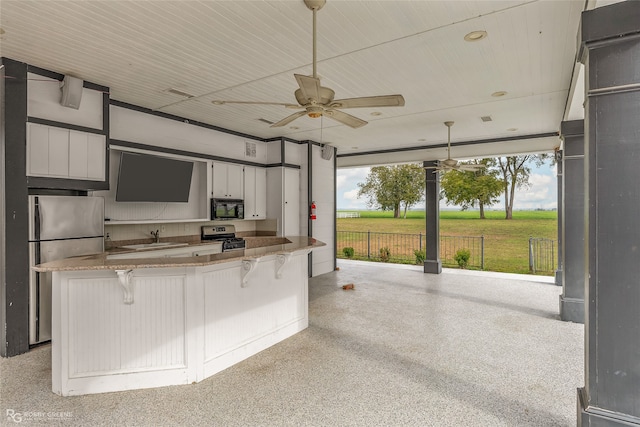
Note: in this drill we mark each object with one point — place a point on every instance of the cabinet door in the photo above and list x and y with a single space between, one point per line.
58 152
219 184
291 220
78 155
37 150
235 182
249 192
96 156
260 193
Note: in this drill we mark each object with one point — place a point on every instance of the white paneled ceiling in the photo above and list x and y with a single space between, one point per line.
249 51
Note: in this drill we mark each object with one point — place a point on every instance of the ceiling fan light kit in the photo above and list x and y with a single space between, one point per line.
316 100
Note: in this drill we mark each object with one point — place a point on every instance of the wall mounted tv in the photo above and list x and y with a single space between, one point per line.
145 178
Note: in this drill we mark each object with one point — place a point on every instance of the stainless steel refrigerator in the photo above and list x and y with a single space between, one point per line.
59 227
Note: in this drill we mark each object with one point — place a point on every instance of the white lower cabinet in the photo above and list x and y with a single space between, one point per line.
63 153
154 327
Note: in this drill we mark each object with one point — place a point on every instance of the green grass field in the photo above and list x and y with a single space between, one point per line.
506 242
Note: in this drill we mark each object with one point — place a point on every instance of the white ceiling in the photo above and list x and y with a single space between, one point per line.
249 50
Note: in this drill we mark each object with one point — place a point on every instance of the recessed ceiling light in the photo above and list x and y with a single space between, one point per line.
512 129
376 113
486 118
499 93
217 102
474 36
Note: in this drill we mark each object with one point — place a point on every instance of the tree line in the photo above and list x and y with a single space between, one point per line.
399 187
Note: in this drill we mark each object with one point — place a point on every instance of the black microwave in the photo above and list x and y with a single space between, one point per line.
227 209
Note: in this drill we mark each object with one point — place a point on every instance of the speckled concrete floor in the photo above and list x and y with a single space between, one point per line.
403 348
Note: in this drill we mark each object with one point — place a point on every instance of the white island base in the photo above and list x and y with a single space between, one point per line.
152 327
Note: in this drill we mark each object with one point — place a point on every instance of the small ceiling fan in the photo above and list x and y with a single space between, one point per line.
452 164
316 100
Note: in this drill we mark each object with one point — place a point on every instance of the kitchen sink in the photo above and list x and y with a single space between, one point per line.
155 245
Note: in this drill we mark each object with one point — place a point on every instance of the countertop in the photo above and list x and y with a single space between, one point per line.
256 248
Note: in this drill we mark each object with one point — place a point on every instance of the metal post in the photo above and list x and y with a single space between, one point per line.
368 243
531 266
420 245
482 252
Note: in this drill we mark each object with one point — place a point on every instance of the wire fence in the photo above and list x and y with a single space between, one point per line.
407 248
542 255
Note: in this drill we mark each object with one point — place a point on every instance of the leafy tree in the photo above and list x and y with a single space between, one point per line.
390 187
467 188
515 172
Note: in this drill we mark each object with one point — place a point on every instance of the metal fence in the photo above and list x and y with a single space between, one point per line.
542 255
401 248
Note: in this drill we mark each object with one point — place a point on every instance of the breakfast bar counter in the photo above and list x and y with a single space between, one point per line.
124 323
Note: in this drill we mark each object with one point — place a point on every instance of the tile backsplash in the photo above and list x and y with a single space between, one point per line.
116 232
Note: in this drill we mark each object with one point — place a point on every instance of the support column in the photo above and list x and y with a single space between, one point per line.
559 169
572 298
14 219
610 50
432 263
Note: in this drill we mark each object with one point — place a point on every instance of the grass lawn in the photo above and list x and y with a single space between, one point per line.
506 242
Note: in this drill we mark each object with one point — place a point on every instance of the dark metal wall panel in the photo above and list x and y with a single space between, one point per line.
572 299
14 285
559 188
432 263
616 252
611 52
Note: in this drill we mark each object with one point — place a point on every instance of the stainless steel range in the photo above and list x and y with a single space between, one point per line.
225 234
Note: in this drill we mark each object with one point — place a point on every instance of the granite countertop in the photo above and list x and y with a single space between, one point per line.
256 248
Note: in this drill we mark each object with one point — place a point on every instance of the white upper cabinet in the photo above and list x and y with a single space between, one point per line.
227 181
255 193
62 153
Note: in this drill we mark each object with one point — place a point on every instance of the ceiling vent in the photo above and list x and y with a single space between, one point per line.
486 118
266 121
250 149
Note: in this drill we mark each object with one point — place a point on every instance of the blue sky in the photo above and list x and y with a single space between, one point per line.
542 194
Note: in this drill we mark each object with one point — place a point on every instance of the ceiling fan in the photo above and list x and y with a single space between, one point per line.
315 100
452 164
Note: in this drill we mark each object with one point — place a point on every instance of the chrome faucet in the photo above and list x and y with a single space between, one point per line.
156 234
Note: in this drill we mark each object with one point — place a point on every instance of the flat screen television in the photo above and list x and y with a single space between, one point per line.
145 178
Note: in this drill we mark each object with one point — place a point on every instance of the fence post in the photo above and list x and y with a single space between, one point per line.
531 266
482 252
420 245
368 243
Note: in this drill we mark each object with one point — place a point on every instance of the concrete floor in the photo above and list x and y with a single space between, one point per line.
404 348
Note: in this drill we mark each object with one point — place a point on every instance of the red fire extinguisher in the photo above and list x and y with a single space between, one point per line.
312 215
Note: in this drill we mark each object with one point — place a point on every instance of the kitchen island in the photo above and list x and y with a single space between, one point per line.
129 323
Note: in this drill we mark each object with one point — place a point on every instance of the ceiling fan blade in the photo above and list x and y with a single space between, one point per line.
472 168
369 101
309 86
288 119
345 118
287 105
